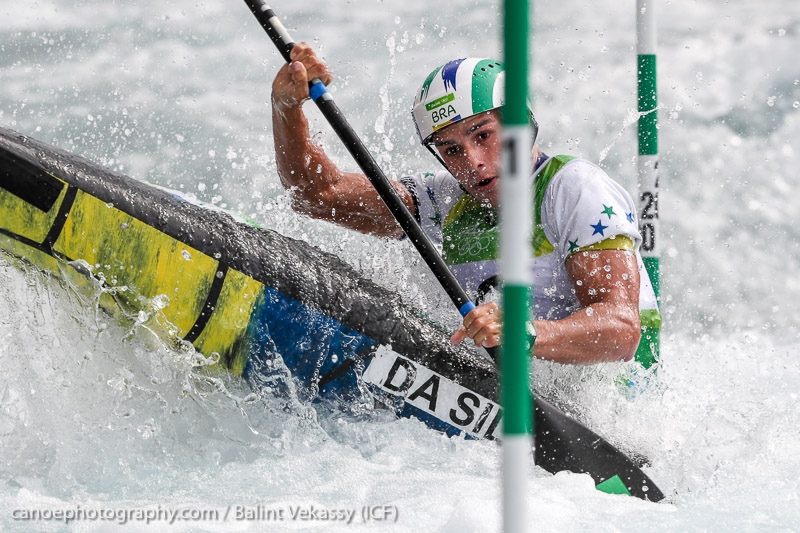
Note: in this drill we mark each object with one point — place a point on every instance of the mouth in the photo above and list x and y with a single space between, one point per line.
485 183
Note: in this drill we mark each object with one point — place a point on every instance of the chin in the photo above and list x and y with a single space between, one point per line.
491 197
488 202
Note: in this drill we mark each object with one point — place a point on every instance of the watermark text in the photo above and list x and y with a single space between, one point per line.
311 513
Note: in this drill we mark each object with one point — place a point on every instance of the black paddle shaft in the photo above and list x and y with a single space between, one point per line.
280 37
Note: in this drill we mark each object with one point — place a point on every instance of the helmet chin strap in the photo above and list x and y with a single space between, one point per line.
435 152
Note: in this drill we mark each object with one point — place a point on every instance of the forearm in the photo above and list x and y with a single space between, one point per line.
601 332
319 188
303 167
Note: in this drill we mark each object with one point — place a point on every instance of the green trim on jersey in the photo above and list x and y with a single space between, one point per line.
620 242
470 232
541 244
650 318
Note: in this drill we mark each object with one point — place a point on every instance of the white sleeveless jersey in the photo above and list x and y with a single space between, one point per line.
576 205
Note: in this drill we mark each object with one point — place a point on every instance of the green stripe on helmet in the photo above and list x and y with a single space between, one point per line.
484 78
426 86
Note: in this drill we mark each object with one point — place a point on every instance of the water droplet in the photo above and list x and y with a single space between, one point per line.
186 255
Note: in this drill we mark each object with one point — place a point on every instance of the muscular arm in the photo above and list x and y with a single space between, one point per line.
607 328
319 188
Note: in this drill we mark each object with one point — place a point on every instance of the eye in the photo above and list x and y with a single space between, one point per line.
483 135
451 150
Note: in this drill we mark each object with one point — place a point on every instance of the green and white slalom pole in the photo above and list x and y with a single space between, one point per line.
650 347
515 249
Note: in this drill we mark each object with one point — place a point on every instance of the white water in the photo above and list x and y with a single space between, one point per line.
98 415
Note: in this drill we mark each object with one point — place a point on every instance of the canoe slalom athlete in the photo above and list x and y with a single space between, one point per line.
592 295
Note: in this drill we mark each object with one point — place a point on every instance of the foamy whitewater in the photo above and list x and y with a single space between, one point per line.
100 416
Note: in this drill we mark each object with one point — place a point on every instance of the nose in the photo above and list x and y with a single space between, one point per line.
475 156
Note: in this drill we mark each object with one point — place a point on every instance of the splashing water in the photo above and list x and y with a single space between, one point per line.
101 413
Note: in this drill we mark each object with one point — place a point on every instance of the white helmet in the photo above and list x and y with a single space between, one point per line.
455 91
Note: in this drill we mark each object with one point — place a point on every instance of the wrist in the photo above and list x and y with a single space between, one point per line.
285 107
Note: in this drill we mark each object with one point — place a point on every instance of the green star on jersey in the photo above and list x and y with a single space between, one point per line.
609 210
573 245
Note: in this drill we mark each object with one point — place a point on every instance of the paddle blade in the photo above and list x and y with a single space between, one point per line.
561 443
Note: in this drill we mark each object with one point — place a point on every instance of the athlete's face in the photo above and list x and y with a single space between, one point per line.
470 149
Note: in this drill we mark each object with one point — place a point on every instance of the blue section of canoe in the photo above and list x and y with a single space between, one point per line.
310 343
